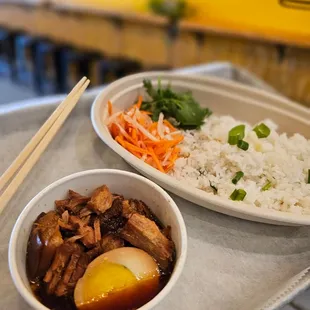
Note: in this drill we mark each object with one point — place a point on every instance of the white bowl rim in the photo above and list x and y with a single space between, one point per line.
257 214
32 300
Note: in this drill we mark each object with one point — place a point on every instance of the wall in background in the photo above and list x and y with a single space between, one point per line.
282 62
259 17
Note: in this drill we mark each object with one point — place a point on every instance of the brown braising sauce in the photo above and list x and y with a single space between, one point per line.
130 298
141 294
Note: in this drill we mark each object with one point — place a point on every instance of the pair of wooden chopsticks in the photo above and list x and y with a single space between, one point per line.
37 145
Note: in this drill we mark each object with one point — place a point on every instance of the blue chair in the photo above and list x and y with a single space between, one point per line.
4 62
115 68
71 65
44 73
24 47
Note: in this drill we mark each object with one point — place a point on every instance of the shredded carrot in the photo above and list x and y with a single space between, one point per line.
110 108
153 142
120 140
114 130
169 125
139 103
134 153
168 169
134 134
156 160
146 112
166 143
153 127
134 148
170 166
174 157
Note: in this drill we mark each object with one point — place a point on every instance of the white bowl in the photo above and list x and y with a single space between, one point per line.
128 184
223 98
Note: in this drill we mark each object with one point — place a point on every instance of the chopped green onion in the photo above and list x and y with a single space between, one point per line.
308 176
236 134
238 195
267 186
243 145
237 177
262 131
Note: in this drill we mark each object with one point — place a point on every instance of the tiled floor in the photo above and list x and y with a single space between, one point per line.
10 93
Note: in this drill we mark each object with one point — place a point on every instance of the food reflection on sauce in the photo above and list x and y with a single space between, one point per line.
130 298
101 252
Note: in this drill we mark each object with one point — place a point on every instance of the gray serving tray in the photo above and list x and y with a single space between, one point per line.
232 264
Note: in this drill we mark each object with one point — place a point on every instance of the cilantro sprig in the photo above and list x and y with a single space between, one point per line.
175 10
182 107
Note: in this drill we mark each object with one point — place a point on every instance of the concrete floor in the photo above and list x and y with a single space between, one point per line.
10 92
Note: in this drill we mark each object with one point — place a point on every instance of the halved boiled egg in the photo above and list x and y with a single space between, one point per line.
122 279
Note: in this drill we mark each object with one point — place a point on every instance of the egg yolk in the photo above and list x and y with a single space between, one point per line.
105 278
122 279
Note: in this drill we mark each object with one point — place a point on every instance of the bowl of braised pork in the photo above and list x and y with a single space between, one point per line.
98 239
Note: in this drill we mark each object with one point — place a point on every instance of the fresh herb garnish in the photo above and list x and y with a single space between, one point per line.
267 186
243 145
236 134
262 131
180 106
237 177
238 195
174 10
308 176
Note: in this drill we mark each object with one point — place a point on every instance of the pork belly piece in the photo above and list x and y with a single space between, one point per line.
64 222
111 242
167 232
44 239
70 274
145 234
73 204
101 200
63 288
108 243
61 205
137 206
97 229
83 229
115 196
79 271
72 194
56 272
84 212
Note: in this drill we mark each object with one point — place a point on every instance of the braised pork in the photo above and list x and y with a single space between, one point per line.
101 200
107 243
112 219
145 234
83 229
57 270
63 242
44 239
137 206
73 204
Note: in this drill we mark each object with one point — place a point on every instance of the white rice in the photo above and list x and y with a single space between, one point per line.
206 158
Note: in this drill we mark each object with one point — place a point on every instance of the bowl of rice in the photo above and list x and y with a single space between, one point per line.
250 158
